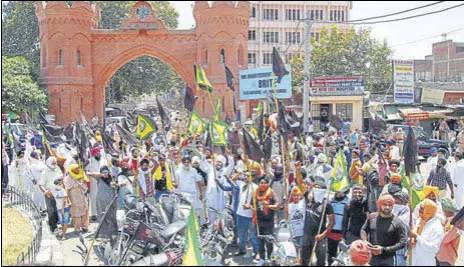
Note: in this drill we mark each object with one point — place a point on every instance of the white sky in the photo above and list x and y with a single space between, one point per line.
396 33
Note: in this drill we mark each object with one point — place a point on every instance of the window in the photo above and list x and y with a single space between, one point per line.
271 37
345 111
292 37
267 58
223 56
292 14
223 104
206 57
253 12
339 15
78 58
315 35
252 35
251 58
60 57
459 49
271 14
44 58
82 103
321 14
312 15
331 15
343 15
59 102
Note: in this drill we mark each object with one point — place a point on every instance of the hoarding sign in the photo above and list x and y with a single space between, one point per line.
256 83
432 96
418 116
337 86
403 81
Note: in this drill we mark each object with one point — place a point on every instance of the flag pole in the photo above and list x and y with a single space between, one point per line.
211 136
410 218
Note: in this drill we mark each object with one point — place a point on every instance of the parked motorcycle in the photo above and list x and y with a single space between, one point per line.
285 247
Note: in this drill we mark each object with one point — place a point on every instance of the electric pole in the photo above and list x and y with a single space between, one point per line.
307 38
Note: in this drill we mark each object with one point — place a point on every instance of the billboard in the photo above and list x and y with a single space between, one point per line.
256 83
432 96
403 81
337 86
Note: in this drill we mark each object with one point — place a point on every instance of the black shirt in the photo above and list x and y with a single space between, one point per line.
354 217
161 185
313 218
389 233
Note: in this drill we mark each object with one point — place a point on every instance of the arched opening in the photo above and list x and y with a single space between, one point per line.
223 57
60 58
205 61
78 58
139 80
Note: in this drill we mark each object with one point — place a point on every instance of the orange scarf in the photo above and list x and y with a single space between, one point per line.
430 210
257 196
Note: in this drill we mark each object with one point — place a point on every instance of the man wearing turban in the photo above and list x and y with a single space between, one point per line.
385 232
427 234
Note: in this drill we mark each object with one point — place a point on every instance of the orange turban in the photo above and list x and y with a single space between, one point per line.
296 191
396 178
430 189
430 210
360 252
384 200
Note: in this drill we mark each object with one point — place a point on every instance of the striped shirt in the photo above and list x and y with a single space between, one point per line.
440 178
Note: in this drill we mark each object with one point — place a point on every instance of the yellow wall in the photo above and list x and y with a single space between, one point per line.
357 102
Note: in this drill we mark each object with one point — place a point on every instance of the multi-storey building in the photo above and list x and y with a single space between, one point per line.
277 23
446 64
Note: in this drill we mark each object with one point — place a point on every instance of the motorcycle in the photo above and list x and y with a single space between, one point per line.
343 258
285 247
215 241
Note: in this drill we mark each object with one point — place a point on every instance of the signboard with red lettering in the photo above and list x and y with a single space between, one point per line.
418 116
403 81
337 86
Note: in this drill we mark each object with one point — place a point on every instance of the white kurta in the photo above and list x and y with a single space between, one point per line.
37 167
94 167
458 180
428 243
20 175
187 183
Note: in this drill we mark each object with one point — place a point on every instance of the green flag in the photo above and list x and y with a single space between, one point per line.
202 81
340 179
218 133
192 252
145 127
196 125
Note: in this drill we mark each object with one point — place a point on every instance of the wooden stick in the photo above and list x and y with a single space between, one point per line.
411 225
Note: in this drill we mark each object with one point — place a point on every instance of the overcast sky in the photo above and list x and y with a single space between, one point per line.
397 33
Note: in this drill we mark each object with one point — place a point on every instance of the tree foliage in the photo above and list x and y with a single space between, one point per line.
20 37
19 92
354 53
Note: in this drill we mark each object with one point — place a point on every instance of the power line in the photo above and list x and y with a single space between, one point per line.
428 38
410 17
397 13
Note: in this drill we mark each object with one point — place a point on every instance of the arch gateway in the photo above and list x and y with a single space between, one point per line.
78 59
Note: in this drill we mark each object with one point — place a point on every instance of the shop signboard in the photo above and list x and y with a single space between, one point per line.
337 86
418 116
432 96
403 81
256 83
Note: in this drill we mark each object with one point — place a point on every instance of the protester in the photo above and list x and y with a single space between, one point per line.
46 185
458 179
106 190
191 183
450 246
335 235
385 233
62 206
355 215
295 213
315 226
440 178
428 235
76 185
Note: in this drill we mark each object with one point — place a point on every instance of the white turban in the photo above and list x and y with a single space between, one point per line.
196 159
221 159
50 161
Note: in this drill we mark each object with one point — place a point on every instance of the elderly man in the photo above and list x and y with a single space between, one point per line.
428 234
93 171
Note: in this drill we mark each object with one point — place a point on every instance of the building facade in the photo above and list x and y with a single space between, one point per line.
277 24
446 64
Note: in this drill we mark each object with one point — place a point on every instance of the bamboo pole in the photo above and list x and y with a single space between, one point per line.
411 225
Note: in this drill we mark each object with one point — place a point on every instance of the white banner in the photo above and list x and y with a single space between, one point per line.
403 81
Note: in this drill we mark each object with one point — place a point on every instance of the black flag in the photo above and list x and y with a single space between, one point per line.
285 127
336 122
69 132
190 99
108 225
234 141
164 117
125 135
230 79
278 66
108 144
252 149
458 220
376 125
410 152
267 147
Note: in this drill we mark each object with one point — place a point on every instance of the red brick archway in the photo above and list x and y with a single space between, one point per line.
78 59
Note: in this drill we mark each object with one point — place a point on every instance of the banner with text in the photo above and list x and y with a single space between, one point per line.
256 83
337 86
403 81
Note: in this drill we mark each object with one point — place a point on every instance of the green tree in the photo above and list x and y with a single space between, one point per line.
20 33
20 93
354 53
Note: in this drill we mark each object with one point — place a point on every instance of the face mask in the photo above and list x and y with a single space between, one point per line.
156 158
125 169
186 168
97 158
319 194
144 169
